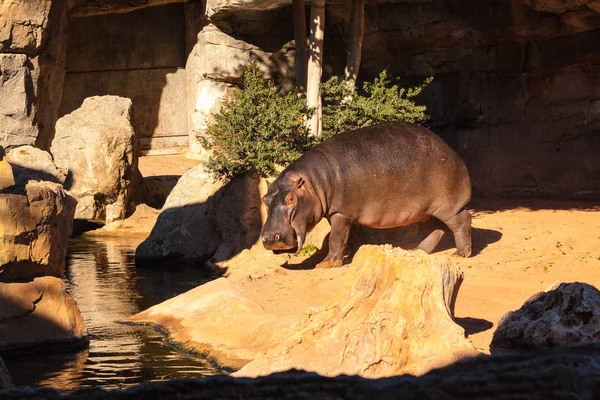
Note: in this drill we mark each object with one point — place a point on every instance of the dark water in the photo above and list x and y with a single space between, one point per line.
102 278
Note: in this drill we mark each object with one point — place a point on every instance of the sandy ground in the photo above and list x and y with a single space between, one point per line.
520 248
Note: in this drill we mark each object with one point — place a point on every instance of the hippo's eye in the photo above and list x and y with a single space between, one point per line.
290 200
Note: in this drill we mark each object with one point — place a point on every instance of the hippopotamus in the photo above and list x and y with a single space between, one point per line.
382 176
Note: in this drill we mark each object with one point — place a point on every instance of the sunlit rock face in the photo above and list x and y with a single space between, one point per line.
392 315
32 62
96 145
36 222
38 312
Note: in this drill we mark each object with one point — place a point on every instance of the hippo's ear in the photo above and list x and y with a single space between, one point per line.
299 182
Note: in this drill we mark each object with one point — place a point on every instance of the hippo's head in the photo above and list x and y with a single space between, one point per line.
293 210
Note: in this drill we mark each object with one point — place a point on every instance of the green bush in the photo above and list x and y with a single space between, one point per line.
258 129
345 108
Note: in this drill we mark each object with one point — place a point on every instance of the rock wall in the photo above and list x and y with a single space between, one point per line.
32 57
515 91
138 55
516 88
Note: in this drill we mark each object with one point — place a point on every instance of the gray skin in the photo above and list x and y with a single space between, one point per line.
383 176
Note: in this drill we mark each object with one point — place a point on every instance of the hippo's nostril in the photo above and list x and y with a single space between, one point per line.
277 237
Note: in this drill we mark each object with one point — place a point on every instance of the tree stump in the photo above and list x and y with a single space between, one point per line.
392 316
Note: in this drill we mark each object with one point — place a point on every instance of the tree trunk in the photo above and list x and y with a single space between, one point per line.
357 30
392 316
315 63
300 40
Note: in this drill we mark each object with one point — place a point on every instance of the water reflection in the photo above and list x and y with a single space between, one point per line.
102 278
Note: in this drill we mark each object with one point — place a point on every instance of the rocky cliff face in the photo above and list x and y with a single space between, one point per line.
515 91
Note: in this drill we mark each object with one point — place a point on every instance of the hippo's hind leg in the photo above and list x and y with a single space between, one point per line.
460 225
338 240
433 239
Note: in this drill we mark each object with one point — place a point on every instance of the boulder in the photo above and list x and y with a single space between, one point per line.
23 25
215 64
205 218
217 319
36 222
393 315
7 178
96 144
30 163
38 312
562 316
16 119
33 34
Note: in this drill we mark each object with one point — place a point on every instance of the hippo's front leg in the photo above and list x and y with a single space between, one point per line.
338 240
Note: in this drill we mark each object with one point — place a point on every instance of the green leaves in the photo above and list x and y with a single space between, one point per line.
345 108
258 129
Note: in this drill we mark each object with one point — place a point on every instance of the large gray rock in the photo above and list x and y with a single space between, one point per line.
96 144
218 55
38 312
33 32
567 315
16 116
23 25
205 218
35 224
30 163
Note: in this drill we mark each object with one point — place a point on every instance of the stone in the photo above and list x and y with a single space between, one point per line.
217 58
7 178
23 25
34 32
38 312
16 119
30 163
96 144
215 318
393 315
566 315
204 218
35 225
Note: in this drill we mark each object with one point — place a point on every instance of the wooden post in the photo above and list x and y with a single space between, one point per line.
300 40
315 63
357 30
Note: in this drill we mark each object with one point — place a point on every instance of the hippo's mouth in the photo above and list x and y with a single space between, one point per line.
286 247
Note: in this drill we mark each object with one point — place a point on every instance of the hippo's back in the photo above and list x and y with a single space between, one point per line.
393 167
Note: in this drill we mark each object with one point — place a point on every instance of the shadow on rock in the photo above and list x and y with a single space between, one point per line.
203 219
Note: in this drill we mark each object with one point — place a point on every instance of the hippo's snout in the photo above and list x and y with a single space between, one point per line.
278 241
